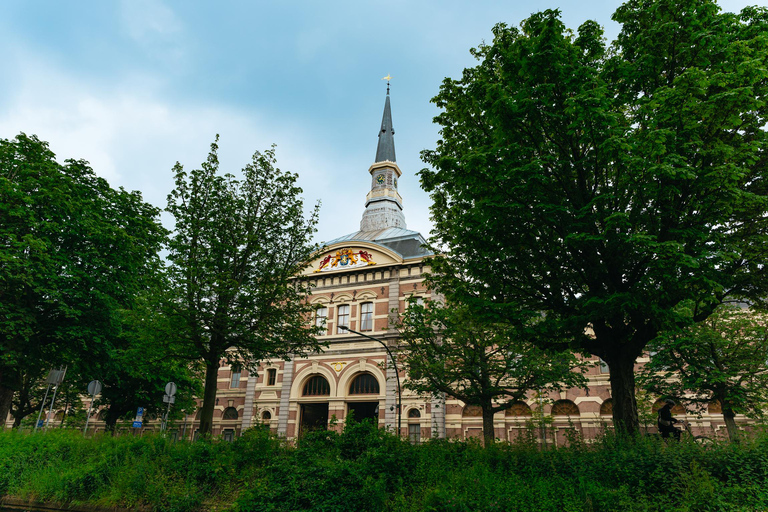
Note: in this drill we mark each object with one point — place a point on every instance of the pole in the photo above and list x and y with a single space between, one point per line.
60 379
90 407
397 372
42 406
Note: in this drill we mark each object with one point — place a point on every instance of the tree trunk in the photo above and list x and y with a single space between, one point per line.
489 435
622 376
209 396
730 423
6 398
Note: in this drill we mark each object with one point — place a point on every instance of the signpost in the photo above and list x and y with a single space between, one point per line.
94 388
55 377
169 398
139 415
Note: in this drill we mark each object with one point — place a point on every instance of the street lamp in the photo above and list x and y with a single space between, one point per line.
394 364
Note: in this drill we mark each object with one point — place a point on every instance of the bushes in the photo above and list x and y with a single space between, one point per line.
365 468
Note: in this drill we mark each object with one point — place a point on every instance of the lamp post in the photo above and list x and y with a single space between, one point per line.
394 364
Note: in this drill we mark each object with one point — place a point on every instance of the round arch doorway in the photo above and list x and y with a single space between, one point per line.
364 386
314 415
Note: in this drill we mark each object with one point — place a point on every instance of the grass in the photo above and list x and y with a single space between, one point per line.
364 468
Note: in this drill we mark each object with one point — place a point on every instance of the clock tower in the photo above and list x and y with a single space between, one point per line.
383 204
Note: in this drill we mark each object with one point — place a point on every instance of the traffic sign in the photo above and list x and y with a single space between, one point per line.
170 388
136 424
169 399
94 387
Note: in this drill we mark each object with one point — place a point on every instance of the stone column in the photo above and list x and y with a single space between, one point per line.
438 417
285 395
250 395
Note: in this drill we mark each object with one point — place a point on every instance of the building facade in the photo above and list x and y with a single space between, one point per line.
362 280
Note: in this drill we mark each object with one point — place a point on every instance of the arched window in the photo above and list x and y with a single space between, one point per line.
606 408
472 411
266 416
565 408
316 386
230 413
414 413
364 384
199 414
102 416
518 409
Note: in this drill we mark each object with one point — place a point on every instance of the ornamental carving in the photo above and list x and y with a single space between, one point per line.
344 259
338 366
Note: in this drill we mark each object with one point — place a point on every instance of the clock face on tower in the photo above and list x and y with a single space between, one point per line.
380 179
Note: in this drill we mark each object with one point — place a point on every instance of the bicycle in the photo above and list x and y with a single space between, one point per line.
700 440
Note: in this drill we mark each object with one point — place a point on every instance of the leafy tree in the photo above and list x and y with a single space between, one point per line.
237 247
604 186
481 361
137 366
73 254
721 359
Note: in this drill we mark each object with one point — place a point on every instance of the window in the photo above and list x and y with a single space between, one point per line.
228 435
317 386
271 376
266 416
343 319
414 413
414 433
234 381
364 384
565 408
321 316
604 367
230 413
366 316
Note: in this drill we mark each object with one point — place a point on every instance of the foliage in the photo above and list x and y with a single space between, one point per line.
74 253
365 468
458 351
236 249
604 186
721 359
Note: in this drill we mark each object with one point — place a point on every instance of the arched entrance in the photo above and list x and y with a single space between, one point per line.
314 415
362 385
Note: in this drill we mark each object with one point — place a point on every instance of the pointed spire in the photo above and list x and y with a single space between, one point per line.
386 149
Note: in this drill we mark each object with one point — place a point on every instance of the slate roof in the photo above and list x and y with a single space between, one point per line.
406 243
385 151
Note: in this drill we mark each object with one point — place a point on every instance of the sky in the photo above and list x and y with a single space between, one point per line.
134 86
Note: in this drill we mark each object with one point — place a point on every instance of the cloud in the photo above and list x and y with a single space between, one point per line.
132 136
153 27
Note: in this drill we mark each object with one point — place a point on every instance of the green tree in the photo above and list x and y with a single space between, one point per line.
140 363
236 250
481 361
721 359
603 186
73 254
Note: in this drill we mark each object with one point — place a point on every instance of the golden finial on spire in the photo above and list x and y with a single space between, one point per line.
387 78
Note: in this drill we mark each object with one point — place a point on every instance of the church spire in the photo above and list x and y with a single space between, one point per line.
386 149
383 205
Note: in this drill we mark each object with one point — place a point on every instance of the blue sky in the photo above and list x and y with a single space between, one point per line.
135 86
